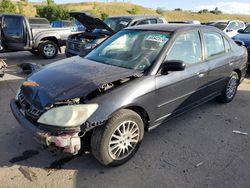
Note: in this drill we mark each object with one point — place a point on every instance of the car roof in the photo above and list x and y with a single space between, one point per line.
137 16
225 21
171 27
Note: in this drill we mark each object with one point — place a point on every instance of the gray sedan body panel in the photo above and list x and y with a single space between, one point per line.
131 94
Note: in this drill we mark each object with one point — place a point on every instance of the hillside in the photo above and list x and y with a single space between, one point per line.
116 8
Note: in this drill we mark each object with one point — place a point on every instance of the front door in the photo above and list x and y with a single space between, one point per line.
13 32
178 91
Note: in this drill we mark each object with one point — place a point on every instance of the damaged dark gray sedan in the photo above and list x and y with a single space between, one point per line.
134 81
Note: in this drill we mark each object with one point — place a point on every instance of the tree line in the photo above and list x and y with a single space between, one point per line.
52 11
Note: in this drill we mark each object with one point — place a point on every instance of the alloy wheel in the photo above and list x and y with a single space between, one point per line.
49 50
231 87
124 140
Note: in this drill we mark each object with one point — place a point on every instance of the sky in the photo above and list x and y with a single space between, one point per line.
233 7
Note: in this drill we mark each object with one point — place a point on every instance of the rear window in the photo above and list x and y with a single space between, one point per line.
38 21
219 25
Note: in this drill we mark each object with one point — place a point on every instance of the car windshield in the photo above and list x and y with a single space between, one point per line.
116 24
247 30
219 25
130 49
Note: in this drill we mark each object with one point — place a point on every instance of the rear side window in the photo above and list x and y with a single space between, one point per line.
143 22
160 21
148 21
153 21
241 25
187 48
214 43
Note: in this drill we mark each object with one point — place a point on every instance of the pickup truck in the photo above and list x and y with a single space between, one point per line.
17 33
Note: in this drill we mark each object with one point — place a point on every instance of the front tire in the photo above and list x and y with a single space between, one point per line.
48 49
116 142
230 89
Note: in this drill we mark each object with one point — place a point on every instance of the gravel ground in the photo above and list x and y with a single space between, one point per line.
197 149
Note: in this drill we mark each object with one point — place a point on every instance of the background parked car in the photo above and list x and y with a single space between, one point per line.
98 30
74 25
185 22
19 33
230 27
244 36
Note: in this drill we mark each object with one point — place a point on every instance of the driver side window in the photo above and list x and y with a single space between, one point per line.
186 48
12 22
232 26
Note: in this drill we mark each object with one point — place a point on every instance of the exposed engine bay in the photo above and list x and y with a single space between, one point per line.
75 42
88 37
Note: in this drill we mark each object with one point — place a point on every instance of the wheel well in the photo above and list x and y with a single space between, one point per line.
142 113
53 39
239 73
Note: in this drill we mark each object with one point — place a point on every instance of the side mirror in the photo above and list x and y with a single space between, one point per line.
172 65
241 31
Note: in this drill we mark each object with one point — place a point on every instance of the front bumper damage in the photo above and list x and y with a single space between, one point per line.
69 141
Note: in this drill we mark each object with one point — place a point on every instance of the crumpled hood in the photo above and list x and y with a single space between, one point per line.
71 78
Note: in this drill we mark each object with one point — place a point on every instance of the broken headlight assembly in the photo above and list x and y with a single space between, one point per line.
68 116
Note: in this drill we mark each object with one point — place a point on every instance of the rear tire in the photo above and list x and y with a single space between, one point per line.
48 49
230 89
116 142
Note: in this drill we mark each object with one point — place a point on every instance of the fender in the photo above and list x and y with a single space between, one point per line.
120 100
40 36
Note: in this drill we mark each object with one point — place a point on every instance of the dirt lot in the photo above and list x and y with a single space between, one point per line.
198 149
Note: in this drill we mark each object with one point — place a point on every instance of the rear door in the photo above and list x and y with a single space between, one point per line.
13 32
178 91
218 58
